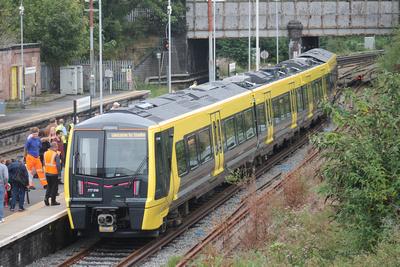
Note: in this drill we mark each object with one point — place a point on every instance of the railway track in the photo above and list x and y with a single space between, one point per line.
138 251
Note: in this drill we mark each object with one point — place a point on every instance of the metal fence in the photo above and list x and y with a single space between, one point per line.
119 74
139 12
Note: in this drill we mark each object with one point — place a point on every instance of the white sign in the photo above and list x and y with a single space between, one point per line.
108 74
83 103
30 70
264 54
232 67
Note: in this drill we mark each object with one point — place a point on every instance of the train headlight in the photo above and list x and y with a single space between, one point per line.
107 223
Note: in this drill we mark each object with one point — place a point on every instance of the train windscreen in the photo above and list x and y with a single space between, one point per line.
125 153
110 154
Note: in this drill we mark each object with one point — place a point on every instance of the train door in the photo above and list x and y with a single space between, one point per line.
310 96
217 141
325 95
14 84
163 158
293 104
269 117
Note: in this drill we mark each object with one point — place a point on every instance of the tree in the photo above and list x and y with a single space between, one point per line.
9 22
237 49
391 60
60 26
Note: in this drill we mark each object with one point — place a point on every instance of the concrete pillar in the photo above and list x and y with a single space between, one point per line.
295 29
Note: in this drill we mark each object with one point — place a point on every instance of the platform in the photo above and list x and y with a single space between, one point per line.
39 224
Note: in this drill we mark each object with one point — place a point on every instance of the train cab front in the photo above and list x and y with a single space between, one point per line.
107 179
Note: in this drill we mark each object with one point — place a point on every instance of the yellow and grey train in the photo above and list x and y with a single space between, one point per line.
134 170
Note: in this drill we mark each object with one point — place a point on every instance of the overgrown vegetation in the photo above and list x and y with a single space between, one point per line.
155 89
52 22
362 166
349 214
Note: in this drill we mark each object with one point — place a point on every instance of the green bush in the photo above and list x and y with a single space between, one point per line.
362 161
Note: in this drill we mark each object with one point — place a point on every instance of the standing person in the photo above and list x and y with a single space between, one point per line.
64 131
72 124
194 84
52 168
31 150
45 144
52 133
18 190
53 123
115 105
3 182
70 127
59 142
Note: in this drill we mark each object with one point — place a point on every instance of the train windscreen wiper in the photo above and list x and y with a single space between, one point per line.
141 165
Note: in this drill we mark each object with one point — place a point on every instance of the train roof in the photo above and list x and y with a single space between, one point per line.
165 107
174 104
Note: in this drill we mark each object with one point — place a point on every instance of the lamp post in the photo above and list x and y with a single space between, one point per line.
22 88
257 37
101 59
214 42
169 11
277 31
249 35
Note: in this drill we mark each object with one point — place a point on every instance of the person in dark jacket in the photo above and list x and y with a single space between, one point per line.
13 169
45 145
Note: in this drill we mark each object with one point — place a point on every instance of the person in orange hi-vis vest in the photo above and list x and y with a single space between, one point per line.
52 168
31 150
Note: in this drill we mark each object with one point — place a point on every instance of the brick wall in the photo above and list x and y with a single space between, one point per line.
10 57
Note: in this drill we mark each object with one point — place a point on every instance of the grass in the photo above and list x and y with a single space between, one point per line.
155 89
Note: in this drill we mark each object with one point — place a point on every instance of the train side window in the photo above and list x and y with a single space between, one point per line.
231 141
314 89
240 128
287 105
192 148
249 124
299 97
180 157
328 82
275 106
305 95
282 108
318 88
205 146
261 120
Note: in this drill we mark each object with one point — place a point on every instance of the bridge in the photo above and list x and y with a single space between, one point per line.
318 18
303 21
300 20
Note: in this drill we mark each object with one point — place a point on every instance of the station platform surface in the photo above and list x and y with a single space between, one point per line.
20 223
60 106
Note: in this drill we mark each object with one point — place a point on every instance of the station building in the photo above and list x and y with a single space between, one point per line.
11 71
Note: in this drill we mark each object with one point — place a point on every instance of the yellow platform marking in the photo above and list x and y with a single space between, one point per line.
17 214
